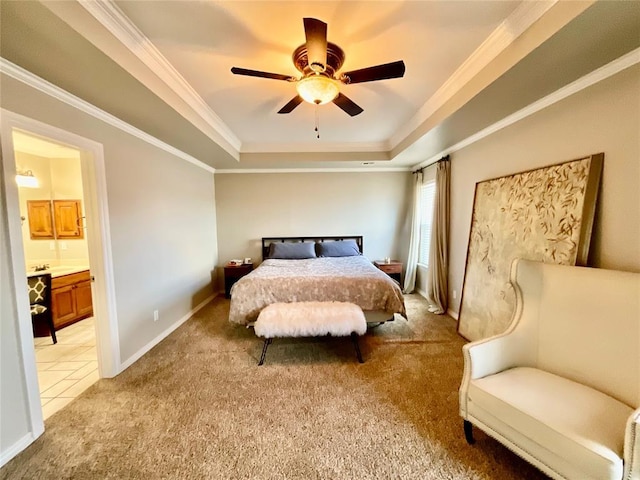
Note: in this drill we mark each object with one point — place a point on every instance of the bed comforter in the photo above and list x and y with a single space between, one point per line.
340 279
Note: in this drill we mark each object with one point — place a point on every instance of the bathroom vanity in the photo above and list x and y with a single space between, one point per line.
71 297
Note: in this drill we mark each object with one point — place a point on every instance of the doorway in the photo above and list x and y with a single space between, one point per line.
55 244
103 327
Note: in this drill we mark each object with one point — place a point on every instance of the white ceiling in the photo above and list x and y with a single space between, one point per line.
164 67
204 40
191 46
32 145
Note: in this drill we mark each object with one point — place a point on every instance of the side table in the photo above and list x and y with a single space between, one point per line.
392 268
233 273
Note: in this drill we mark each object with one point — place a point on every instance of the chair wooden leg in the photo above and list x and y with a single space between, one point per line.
468 432
52 329
267 341
354 338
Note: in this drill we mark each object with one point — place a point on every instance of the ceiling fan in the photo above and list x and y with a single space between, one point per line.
319 61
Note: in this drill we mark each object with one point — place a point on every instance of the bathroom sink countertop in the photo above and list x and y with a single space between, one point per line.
60 270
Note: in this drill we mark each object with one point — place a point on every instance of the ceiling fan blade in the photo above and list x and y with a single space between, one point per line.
346 104
258 73
316 34
293 103
379 72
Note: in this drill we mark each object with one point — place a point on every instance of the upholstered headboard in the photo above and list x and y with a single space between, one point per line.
267 241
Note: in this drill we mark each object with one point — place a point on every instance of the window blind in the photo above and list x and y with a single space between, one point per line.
427 197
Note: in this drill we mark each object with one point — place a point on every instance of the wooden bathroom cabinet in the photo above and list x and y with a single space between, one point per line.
71 298
40 219
68 219
61 219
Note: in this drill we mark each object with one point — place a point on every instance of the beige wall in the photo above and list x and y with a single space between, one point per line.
603 118
371 204
163 236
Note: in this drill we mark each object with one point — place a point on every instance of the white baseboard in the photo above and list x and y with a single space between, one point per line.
136 356
16 448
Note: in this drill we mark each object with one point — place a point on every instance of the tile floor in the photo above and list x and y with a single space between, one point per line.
67 368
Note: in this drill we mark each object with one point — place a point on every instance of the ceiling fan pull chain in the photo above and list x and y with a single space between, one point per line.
317 129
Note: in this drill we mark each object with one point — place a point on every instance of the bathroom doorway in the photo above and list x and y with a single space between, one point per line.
91 336
55 243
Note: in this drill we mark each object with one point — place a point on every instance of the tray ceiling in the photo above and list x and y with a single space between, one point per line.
182 52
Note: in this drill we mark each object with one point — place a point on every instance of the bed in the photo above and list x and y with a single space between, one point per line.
316 269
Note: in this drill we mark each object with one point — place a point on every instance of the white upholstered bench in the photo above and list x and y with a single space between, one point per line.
310 319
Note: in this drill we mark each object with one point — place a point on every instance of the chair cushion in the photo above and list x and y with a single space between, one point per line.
36 309
576 422
37 287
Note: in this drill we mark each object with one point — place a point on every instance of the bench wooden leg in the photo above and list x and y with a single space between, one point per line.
468 432
267 341
354 338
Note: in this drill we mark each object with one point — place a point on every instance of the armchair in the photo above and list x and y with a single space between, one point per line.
561 387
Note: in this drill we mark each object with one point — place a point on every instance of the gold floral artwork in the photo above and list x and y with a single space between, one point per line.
536 215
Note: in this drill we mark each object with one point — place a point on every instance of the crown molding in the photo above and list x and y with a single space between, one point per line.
107 13
18 73
364 169
309 147
610 69
120 26
525 15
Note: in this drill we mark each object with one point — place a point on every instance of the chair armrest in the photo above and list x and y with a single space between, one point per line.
486 357
493 355
632 447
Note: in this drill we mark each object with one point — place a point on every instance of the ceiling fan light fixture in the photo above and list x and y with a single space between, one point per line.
317 89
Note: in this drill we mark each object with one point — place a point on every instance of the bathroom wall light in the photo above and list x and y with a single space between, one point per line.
27 179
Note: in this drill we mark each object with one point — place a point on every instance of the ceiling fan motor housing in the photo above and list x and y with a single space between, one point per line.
335 59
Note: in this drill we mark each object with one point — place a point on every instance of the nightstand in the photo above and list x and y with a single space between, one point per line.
233 273
393 269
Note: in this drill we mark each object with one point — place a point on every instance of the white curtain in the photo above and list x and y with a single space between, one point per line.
414 243
437 280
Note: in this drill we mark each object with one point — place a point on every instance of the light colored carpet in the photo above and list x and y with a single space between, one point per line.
198 406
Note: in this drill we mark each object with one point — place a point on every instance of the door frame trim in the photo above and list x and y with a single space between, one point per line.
99 247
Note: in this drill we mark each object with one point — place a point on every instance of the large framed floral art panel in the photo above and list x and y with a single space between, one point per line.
544 214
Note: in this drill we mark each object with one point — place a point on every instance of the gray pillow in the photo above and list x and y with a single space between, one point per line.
341 248
292 251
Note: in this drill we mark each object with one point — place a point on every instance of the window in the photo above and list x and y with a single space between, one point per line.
427 196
